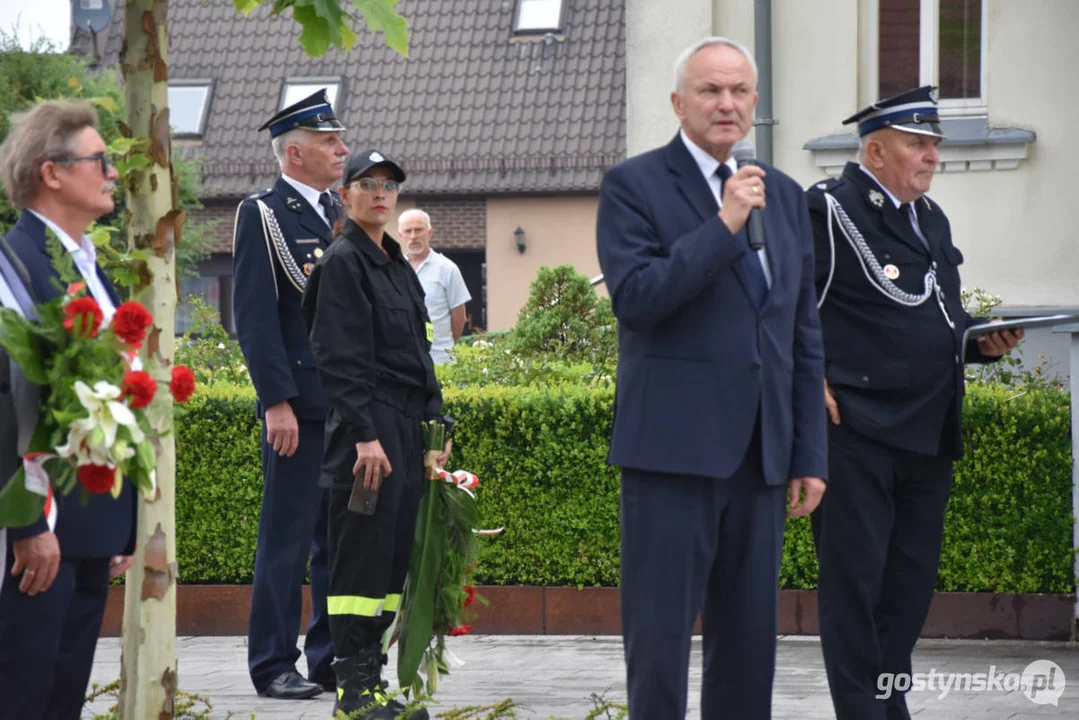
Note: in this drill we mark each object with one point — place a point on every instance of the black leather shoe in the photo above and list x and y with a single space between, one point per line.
290 685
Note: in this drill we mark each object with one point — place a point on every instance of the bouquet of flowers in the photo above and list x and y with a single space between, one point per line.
101 413
438 596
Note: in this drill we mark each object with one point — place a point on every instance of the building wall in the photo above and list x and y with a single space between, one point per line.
557 231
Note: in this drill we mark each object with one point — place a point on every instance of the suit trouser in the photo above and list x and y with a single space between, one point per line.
47 641
292 531
878 533
370 554
695 544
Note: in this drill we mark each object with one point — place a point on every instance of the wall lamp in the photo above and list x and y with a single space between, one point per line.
519 237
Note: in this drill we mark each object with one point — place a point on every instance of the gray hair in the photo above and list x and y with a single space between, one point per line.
414 211
42 134
296 136
715 41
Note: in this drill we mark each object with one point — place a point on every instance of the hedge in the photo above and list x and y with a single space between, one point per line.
541 456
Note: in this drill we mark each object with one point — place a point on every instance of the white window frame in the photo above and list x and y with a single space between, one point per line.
207 85
333 87
558 27
928 58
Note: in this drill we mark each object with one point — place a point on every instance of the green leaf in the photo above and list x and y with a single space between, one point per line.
22 346
246 6
381 15
18 506
426 565
317 34
105 102
146 456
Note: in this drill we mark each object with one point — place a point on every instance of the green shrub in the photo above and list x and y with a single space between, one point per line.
541 455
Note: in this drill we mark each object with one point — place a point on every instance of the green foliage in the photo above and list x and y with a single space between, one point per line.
208 350
42 73
1009 370
218 485
325 23
564 334
541 456
1008 525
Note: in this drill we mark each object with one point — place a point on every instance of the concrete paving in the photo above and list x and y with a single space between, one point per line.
556 676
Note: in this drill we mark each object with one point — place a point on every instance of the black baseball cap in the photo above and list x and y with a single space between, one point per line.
361 162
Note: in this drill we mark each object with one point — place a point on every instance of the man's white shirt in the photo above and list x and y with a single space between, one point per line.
85 256
444 289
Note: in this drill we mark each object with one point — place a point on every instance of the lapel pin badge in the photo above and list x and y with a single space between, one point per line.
891 272
877 198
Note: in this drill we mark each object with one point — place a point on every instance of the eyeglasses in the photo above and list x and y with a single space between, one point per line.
371 185
100 157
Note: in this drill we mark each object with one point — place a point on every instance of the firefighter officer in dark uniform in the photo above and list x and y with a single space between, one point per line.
370 335
889 295
280 234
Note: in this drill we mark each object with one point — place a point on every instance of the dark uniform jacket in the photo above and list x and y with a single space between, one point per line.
896 370
368 326
270 270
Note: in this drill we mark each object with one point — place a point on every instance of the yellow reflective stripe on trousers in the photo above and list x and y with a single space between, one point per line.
357 605
392 603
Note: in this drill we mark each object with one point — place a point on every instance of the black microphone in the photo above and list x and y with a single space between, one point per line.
743 155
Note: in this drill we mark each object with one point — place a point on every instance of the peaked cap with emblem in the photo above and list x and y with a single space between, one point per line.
913 111
361 162
314 112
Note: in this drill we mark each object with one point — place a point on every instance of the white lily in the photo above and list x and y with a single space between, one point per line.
106 413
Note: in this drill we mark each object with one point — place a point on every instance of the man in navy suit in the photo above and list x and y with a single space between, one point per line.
54 166
280 233
720 394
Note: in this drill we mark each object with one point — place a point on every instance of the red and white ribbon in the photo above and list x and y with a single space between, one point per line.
464 480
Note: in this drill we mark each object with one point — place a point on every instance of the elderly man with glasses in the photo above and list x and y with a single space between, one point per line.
55 169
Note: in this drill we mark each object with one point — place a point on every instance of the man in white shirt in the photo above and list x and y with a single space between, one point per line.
444 289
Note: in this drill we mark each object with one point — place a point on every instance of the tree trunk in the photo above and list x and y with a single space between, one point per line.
148 668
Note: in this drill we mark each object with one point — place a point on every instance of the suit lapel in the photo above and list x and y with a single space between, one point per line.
879 201
307 216
694 188
689 180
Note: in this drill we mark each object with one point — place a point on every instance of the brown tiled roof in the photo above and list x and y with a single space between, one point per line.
472 110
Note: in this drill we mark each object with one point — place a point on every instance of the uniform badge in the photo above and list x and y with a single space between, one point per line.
891 272
822 186
876 197
293 203
375 157
318 253
308 267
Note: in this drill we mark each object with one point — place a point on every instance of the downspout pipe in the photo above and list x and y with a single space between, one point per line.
762 44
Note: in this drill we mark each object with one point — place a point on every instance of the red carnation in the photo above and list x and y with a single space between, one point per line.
97 479
130 323
470 595
183 383
140 387
90 313
462 630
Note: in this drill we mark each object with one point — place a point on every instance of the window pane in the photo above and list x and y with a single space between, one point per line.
960 48
295 92
539 15
207 288
186 105
899 33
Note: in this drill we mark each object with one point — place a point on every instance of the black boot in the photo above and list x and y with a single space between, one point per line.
360 687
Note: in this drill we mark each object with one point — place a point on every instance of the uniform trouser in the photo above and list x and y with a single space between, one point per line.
712 545
47 641
370 554
292 532
878 533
